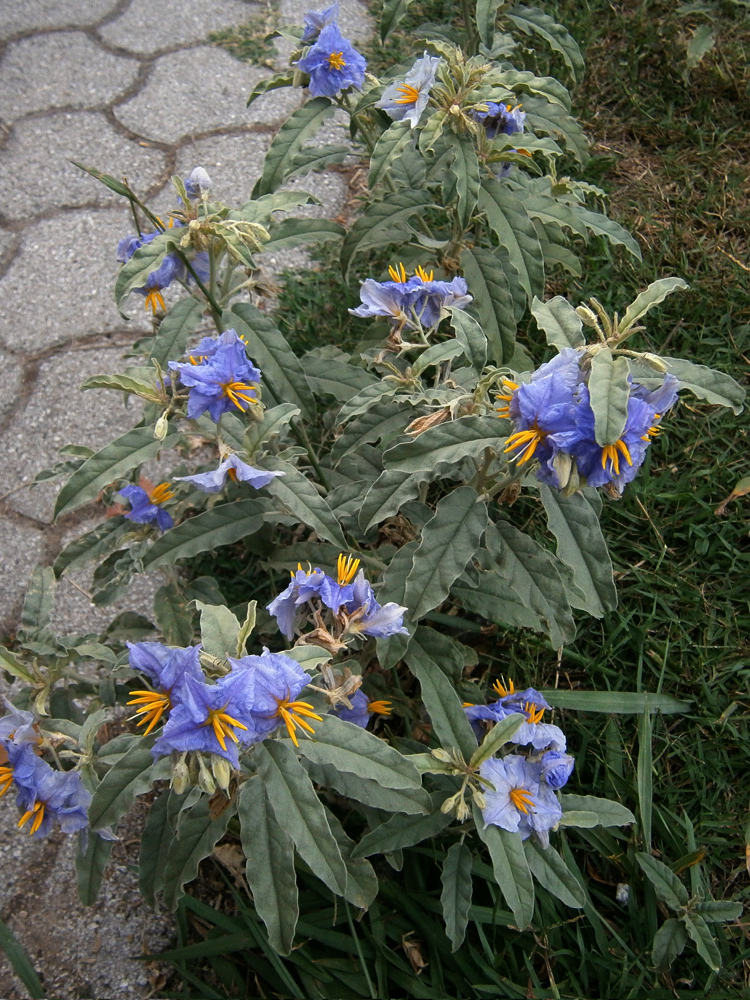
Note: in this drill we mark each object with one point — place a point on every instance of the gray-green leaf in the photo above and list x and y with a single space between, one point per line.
609 392
456 895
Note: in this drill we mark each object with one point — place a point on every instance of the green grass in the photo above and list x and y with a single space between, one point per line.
249 41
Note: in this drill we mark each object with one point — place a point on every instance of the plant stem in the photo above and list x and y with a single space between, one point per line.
301 434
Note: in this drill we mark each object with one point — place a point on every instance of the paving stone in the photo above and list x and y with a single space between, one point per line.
8 244
62 70
58 414
198 90
38 14
74 612
36 173
59 285
21 548
234 163
10 383
147 27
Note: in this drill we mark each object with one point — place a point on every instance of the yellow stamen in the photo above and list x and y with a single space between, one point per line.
154 299
336 60
347 569
410 95
161 493
535 714
397 273
237 392
6 779
611 453
502 690
232 473
521 799
504 411
197 359
222 726
380 707
37 811
424 275
153 704
293 714
528 439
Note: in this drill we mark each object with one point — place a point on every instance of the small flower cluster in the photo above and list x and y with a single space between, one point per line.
417 302
522 795
237 710
220 377
45 795
349 596
500 119
406 101
332 62
554 424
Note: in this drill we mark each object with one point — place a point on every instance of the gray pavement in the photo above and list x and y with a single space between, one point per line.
131 87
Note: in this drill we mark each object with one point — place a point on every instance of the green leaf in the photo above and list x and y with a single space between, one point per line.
124 383
301 125
550 871
308 656
275 421
298 232
493 599
296 805
529 570
390 650
486 15
717 911
361 880
667 886
384 421
701 42
510 868
175 330
111 182
498 736
393 12
652 296
368 397
219 630
352 749
221 525
278 80
336 377
456 895
580 819
90 865
385 496
533 21
553 120
283 375
559 321
122 784
600 225
471 337
194 840
464 168
155 842
706 383
311 158
146 259
13 665
669 942
581 546
703 939
172 615
396 800
545 86
515 231
270 865
21 963
609 391
493 302
93 545
436 355
389 147
384 222
645 777
608 812
402 831
247 627
113 462
440 700
39 601
617 702
298 496
441 448
449 541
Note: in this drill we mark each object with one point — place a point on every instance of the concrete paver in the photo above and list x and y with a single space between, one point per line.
65 69
39 14
58 287
198 90
21 548
233 162
146 27
37 175
10 386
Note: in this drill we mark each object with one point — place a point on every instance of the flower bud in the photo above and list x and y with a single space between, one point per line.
161 427
198 183
439 754
655 362
205 778
221 771
180 777
451 803
589 318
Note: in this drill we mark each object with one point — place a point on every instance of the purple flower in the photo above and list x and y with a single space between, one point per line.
222 381
167 667
316 20
171 269
18 726
236 469
393 299
521 802
416 301
198 183
501 119
540 735
210 718
557 767
129 244
436 297
273 682
333 64
46 795
367 617
362 709
406 101
304 585
145 504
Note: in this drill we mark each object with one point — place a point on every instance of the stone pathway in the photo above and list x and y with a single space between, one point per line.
130 87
